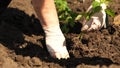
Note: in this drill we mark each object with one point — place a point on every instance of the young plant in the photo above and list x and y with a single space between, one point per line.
65 15
96 7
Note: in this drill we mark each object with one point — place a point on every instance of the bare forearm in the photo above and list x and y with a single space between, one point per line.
46 12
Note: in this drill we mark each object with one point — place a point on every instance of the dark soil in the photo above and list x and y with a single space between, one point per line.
22 40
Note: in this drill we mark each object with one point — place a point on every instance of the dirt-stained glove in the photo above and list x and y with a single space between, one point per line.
97 21
55 42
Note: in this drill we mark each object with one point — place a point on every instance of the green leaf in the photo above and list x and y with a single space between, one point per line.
96 9
65 28
78 17
110 12
95 4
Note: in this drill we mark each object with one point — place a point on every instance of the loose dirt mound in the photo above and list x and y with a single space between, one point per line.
22 41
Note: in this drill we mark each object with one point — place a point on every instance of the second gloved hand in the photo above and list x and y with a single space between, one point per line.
55 42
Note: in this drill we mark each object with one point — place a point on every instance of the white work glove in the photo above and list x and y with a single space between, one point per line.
93 24
97 21
55 42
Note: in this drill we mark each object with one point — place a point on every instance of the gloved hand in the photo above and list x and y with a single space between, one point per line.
55 42
93 24
97 20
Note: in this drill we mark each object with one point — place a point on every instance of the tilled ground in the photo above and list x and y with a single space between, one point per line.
22 41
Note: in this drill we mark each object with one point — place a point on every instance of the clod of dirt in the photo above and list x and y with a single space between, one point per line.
117 20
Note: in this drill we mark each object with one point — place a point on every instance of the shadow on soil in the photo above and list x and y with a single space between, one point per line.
14 23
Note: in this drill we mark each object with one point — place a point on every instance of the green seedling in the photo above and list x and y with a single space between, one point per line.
95 7
65 15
